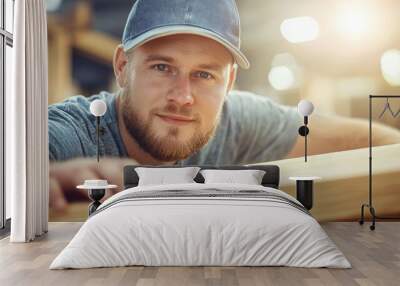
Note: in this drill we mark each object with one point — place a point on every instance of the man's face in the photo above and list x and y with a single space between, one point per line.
173 94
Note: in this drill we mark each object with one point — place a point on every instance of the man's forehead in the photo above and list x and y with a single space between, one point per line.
168 48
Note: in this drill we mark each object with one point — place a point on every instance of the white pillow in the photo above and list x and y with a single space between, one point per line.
248 177
161 176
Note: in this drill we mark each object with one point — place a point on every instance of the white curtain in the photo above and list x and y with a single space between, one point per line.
26 124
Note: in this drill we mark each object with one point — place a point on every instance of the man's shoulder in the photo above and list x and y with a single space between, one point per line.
245 102
77 106
72 127
244 95
253 128
239 97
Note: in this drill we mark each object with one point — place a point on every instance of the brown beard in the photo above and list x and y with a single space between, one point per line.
167 148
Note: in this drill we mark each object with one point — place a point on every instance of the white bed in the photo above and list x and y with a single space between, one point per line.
221 225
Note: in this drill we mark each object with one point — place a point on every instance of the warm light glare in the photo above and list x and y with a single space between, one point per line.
283 59
281 78
356 19
354 22
300 29
390 67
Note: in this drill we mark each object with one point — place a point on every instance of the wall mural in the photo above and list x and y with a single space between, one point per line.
120 96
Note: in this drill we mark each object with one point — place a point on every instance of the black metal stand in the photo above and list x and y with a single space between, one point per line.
95 195
369 205
98 135
303 131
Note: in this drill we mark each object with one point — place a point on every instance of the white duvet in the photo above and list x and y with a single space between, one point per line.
183 231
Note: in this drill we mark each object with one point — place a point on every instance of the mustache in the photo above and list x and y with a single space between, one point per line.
171 108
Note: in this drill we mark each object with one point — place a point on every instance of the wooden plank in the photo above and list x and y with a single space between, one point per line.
96 45
340 193
344 184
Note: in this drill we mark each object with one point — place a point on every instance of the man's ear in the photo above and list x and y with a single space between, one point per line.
232 77
120 61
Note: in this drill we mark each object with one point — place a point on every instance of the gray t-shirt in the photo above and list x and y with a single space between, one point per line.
252 129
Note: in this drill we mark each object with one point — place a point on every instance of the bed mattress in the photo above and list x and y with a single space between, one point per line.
201 225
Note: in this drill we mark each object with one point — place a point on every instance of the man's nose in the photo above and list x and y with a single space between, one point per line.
181 93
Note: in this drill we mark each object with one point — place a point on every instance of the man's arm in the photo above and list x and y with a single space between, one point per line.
67 135
332 133
64 176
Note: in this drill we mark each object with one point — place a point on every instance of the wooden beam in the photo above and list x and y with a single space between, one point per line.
344 184
96 45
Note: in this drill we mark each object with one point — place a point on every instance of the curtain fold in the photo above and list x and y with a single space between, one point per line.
27 137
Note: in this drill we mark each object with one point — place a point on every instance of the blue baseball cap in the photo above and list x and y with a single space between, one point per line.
214 19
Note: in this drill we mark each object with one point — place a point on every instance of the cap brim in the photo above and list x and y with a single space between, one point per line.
239 57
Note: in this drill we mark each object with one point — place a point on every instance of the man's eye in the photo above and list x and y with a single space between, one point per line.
205 75
161 67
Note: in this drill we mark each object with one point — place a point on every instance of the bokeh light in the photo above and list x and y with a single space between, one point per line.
390 67
281 78
300 29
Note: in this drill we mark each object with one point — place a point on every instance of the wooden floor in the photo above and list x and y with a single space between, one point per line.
375 257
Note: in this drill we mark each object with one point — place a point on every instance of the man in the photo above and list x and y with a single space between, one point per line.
176 68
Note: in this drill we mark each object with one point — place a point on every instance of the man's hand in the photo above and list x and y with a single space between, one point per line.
66 175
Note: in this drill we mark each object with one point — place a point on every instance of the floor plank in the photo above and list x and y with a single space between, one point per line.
375 257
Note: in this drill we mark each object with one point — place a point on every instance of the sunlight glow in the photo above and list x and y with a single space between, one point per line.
300 29
281 78
390 67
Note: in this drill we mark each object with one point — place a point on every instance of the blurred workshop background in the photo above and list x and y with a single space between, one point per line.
332 52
